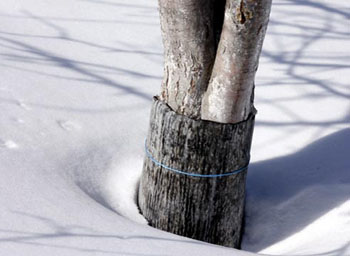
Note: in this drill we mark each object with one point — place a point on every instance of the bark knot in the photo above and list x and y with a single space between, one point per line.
243 13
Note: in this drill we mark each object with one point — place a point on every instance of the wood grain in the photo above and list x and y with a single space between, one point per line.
207 209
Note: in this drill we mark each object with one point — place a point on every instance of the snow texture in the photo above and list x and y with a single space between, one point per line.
77 80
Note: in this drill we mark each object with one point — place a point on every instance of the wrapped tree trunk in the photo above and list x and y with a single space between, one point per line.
198 145
194 173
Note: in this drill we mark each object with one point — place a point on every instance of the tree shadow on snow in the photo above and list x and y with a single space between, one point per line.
26 53
286 194
59 230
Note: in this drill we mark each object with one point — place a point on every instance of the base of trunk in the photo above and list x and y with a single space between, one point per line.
193 180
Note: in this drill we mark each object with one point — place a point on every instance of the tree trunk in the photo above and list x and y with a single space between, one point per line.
197 149
193 181
229 97
190 40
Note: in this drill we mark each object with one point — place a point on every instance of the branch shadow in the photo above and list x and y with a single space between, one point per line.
300 59
286 194
59 231
33 58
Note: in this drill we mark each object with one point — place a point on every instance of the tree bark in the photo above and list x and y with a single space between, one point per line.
229 97
201 127
189 51
205 208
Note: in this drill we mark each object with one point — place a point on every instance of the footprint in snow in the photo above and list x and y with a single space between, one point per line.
8 144
68 125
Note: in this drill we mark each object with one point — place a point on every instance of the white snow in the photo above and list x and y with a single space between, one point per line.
8 144
77 78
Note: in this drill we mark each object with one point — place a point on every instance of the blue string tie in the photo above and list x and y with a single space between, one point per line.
149 155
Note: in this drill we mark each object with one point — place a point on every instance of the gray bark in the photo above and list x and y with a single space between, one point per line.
229 97
189 51
204 208
211 50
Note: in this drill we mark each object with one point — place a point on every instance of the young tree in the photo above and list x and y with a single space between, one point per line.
198 145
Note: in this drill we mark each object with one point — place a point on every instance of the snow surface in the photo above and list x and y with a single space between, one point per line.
77 79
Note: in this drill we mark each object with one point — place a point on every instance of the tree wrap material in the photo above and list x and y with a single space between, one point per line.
207 209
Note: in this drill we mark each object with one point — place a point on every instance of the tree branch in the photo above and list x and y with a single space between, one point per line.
229 97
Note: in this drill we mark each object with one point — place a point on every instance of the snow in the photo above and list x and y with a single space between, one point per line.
77 78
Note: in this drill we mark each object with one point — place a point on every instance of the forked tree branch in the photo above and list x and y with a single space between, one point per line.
204 77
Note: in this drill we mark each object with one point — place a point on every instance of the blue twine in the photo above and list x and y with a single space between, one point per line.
192 174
